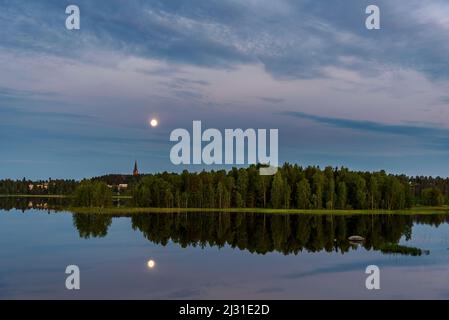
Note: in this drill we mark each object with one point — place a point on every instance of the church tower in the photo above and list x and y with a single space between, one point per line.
135 171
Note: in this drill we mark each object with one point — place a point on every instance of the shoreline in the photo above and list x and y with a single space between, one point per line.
420 210
44 196
51 196
136 211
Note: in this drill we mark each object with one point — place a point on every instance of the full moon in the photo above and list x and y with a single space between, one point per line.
151 264
154 123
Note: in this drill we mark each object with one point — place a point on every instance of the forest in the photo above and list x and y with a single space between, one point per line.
293 187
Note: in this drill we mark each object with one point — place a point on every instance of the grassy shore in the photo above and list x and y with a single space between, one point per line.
36 196
132 211
51 196
135 210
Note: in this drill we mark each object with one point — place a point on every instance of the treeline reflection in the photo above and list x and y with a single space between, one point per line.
42 203
33 203
264 233
254 232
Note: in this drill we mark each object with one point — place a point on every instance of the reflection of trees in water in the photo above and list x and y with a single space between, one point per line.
263 233
92 225
24 204
42 203
255 232
289 234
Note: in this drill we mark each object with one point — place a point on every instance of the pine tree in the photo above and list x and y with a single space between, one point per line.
303 194
277 189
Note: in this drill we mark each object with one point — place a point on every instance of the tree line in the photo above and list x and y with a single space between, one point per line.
293 187
39 187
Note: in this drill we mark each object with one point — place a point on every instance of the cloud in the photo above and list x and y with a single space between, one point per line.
187 94
56 134
371 126
292 39
444 100
13 97
272 100
229 64
185 81
15 93
354 266
23 112
26 161
271 290
182 294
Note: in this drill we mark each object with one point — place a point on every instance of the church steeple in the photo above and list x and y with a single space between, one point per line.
135 171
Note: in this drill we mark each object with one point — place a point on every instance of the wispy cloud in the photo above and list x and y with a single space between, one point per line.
15 93
352 266
272 100
26 161
228 63
44 114
371 126
444 100
290 38
182 294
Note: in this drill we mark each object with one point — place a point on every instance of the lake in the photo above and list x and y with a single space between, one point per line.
221 255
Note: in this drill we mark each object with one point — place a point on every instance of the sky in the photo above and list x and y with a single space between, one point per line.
76 103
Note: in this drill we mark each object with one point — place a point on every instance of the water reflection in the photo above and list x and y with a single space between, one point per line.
33 203
151 264
92 225
264 233
254 232
42 203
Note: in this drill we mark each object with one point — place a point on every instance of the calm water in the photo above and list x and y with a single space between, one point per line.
221 255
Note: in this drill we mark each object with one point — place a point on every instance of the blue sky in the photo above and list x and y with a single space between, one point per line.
76 104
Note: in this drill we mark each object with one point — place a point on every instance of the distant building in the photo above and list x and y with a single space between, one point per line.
44 186
118 187
135 171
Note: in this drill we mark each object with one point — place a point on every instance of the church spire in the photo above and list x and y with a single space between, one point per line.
135 171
